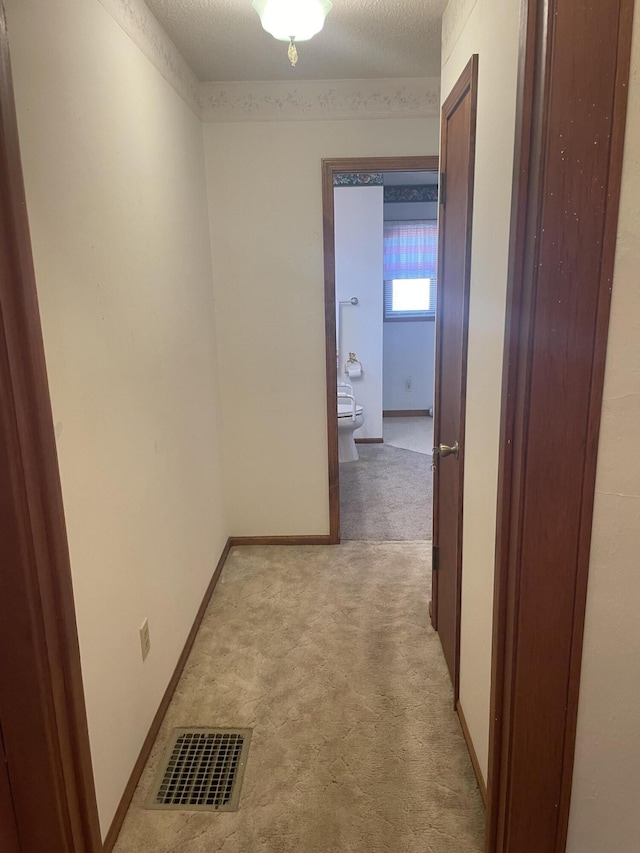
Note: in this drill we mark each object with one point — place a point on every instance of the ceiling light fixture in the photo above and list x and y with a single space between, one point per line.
292 20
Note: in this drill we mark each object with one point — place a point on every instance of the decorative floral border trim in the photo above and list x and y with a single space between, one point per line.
146 33
411 193
320 99
453 20
357 179
392 195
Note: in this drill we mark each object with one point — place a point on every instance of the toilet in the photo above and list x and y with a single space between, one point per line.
350 418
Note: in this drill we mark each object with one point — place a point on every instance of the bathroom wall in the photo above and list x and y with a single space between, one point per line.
270 305
114 170
606 778
411 210
489 28
358 252
408 361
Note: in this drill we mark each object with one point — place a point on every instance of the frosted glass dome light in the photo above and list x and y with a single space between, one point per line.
292 20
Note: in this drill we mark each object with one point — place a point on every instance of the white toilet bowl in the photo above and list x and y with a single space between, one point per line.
350 418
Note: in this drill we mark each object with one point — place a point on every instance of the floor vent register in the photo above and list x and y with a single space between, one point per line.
201 770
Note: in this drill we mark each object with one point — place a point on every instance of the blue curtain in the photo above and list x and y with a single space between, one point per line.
411 249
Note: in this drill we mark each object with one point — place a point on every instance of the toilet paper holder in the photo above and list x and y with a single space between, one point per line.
353 368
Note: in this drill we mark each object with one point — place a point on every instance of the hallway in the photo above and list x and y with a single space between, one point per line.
328 654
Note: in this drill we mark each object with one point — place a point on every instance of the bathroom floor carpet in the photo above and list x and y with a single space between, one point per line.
327 653
386 495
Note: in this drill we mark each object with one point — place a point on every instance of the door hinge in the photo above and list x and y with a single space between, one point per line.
442 195
435 558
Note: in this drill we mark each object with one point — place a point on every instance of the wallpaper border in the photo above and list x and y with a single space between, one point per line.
411 194
357 179
320 100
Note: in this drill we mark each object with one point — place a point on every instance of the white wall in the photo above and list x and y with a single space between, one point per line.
408 355
114 172
267 245
606 782
490 30
358 253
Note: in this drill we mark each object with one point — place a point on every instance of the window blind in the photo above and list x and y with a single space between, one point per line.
410 252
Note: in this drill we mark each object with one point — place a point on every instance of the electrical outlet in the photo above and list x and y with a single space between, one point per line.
408 384
145 639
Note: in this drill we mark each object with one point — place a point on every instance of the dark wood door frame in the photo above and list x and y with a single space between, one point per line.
329 169
41 698
8 828
572 92
466 86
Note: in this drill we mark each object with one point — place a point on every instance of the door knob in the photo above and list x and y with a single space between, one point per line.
444 450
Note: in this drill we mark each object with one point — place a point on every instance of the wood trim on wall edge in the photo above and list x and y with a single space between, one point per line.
610 234
407 413
321 539
472 753
125 801
537 49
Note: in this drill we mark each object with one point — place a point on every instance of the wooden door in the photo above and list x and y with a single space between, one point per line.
8 828
456 202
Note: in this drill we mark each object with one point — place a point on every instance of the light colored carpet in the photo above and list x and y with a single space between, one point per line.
328 655
386 495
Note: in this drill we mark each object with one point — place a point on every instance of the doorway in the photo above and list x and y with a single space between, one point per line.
390 437
386 248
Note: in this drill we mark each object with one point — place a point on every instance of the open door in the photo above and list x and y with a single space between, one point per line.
454 260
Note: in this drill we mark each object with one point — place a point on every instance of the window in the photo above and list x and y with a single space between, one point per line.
410 262
407 298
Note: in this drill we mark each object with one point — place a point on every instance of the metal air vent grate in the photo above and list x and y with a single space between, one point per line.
201 770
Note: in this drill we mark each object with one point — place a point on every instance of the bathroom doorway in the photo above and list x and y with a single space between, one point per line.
380 272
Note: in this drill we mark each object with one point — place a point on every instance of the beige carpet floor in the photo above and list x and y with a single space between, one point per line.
387 494
328 655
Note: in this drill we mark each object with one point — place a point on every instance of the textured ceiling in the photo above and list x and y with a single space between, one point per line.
224 40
